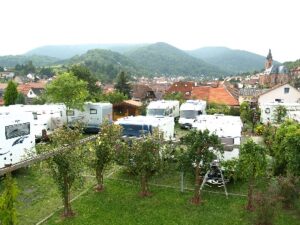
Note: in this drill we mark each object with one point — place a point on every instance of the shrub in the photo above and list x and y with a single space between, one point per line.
259 129
288 192
265 204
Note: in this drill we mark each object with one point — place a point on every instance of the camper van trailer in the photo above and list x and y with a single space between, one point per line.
45 117
268 111
92 116
136 126
163 108
189 111
16 136
227 128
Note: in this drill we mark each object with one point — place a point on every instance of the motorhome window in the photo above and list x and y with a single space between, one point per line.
70 112
93 111
188 114
199 112
156 112
135 130
17 130
35 117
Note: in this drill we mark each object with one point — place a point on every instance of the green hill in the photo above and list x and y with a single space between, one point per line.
105 64
68 51
37 60
162 58
292 64
234 61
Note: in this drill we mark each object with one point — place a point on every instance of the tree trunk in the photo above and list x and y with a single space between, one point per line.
144 186
197 197
67 204
250 206
99 177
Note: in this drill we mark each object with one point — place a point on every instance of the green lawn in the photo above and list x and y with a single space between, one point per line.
121 204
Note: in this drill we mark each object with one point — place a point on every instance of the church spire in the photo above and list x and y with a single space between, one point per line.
269 57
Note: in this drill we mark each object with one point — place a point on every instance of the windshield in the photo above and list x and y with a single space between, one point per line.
155 112
188 114
135 130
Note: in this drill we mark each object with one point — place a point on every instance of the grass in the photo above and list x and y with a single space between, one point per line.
38 194
121 204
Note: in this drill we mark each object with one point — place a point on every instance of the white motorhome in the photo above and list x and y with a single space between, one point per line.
163 108
45 117
136 126
92 116
227 128
16 136
268 111
189 111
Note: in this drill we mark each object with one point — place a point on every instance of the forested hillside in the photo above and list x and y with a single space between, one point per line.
162 58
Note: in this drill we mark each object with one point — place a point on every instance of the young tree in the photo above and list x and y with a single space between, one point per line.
175 96
83 73
20 98
252 164
122 84
67 89
8 200
10 93
66 165
113 97
105 148
199 155
280 114
144 159
286 149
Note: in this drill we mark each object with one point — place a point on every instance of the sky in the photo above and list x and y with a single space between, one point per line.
251 25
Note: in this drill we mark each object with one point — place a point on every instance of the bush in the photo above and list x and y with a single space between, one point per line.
265 204
288 191
259 129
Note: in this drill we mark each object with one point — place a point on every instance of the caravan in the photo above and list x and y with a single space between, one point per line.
227 128
136 126
163 108
268 111
45 117
16 136
189 111
92 116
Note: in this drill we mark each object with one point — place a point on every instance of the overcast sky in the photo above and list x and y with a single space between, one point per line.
252 25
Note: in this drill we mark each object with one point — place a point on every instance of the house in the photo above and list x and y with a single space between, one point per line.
126 108
273 74
108 88
184 87
31 90
7 75
250 94
142 92
219 95
282 93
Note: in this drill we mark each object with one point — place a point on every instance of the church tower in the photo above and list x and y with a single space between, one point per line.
269 60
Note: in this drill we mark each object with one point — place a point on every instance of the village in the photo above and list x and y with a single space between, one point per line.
226 117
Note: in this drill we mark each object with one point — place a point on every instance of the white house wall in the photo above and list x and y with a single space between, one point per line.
292 97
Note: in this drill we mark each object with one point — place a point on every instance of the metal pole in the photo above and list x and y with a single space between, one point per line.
181 182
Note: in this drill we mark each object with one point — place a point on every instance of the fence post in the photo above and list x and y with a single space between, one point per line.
181 182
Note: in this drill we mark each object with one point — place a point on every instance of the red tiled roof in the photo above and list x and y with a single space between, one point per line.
24 88
201 92
217 95
183 87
